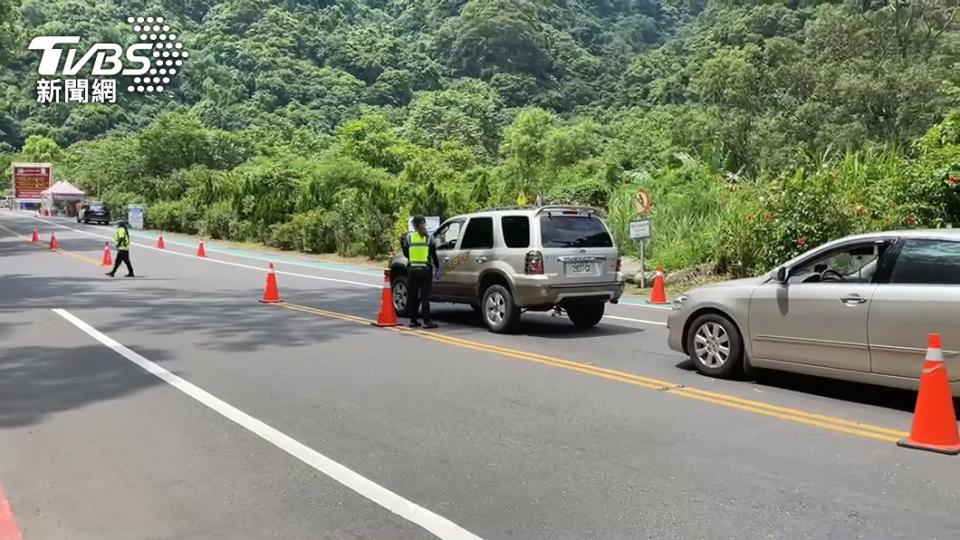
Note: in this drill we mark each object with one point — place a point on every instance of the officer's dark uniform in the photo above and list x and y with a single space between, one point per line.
421 260
122 240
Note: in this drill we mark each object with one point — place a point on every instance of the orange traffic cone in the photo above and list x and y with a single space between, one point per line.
160 244
934 420
271 294
201 252
53 241
36 237
387 315
659 293
107 258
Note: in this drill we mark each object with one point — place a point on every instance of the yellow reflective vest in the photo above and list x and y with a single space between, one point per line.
419 248
122 239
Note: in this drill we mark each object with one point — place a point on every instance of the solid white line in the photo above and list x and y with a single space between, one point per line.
256 255
217 261
436 524
643 321
294 274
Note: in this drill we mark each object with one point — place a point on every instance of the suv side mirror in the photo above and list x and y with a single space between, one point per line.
782 274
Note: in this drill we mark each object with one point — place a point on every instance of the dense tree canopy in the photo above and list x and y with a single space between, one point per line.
292 116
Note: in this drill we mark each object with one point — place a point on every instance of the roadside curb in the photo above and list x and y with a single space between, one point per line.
645 304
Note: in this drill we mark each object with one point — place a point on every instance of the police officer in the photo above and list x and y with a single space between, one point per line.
122 240
422 259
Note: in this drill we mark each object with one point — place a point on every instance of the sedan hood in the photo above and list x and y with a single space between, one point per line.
751 281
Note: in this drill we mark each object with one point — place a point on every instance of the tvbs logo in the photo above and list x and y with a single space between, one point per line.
148 65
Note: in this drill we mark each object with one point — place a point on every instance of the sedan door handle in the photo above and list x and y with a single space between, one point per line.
481 259
853 300
446 259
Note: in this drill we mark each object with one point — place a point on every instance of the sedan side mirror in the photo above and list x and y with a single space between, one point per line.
782 274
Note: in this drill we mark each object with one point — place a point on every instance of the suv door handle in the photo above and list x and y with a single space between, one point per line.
446 259
853 300
481 259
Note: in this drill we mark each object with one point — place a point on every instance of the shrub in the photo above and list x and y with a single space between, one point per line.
216 220
790 216
308 231
174 216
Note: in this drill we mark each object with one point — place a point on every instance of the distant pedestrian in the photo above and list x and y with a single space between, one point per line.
422 259
122 240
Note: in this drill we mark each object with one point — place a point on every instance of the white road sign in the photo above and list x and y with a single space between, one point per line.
640 229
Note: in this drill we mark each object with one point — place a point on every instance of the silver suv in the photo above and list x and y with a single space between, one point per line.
506 261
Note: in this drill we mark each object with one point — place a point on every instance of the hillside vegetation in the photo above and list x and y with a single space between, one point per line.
762 128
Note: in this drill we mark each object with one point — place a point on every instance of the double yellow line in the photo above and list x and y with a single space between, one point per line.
726 400
716 398
58 251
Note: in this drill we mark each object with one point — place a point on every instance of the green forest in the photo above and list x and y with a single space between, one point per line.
762 128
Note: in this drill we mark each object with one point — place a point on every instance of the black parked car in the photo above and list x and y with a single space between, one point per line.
97 212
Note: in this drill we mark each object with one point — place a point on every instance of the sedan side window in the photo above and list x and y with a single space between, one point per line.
446 237
856 263
927 262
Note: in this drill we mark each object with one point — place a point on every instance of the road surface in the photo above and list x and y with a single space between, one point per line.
175 405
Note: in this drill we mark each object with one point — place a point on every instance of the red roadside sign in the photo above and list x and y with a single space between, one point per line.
30 179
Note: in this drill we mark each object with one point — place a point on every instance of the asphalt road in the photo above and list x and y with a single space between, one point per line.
175 405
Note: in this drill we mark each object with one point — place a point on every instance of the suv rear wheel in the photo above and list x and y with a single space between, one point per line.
500 313
586 315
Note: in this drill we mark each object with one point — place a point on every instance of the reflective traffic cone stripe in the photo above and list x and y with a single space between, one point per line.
201 252
271 293
36 236
107 258
160 244
659 293
387 315
53 241
934 419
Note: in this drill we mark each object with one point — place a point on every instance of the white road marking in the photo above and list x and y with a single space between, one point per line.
412 512
294 274
643 321
217 261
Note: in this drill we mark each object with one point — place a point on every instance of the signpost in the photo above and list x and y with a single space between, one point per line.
433 223
640 232
135 216
30 180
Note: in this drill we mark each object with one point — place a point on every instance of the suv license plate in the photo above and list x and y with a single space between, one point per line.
580 268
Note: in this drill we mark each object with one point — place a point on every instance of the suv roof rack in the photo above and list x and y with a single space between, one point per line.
549 207
589 209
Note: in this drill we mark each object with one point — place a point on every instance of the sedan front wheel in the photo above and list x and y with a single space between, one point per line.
715 346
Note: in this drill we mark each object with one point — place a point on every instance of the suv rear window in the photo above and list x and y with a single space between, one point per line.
516 231
573 231
927 262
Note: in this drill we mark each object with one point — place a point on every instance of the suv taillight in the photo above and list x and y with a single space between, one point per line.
534 264
619 263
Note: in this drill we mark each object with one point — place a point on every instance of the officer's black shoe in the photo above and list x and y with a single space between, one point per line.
108 274
429 325
129 275
414 324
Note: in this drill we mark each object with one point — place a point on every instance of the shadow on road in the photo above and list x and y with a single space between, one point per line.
853 392
225 319
38 381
